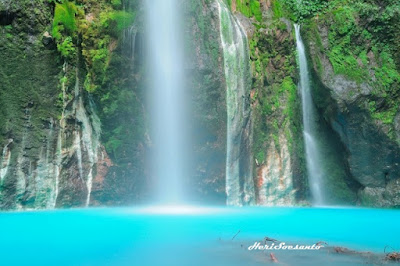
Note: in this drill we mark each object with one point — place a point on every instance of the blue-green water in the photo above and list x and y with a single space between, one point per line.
192 236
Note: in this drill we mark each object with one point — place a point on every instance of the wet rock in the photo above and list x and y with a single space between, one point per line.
247 25
373 156
275 177
206 81
397 126
48 41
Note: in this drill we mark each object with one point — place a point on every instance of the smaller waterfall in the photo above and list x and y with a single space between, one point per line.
57 169
129 39
87 138
5 161
78 148
313 156
46 170
60 140
239 181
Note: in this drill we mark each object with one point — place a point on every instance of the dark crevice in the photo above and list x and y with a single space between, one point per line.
6 17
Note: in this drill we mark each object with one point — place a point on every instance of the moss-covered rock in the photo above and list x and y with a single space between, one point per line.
276 112
356 89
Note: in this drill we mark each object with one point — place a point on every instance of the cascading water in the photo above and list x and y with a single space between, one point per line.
5 161
167 99
313 156
239 179
88 138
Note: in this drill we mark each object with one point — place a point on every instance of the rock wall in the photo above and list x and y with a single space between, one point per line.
239 174
276 109
207 89
357 101
49 129
74 116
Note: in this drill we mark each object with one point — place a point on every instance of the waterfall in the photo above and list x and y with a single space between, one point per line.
46 170
57 169
88 138
239 179
5 161
167 99
129 39
313 155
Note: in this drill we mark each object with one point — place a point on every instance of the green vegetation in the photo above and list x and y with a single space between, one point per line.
95 35
65 27
91 30
363 46
249 8
276 106
296 12
64 19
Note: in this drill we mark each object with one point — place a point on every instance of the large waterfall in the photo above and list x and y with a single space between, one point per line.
165 53
239 179
313 156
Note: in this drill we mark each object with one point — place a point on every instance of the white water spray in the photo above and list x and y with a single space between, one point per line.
165 53
313 156
239 181
5 161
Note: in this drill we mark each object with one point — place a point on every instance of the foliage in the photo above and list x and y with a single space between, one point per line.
249 8
96 35
298 10
66 48
64 19
65 27
363 38
277 9
116 3
275 100
116 21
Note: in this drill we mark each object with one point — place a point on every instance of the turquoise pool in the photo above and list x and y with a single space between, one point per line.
194 236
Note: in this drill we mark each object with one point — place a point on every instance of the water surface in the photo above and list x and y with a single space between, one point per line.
193 236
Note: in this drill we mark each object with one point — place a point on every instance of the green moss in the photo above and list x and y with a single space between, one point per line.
67 48
116 3
356 29
344 19
290 89
277 110
387 72
64 21
344 62
364 58
116 20
260 156
256 10
249 8
277 9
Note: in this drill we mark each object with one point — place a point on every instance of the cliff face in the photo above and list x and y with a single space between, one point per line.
49 130
74 129
354 52
74 114
356 86
207 89
278 147
51 133
28 92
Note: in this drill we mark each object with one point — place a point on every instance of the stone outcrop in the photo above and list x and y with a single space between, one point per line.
371 152
49 128
207 88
